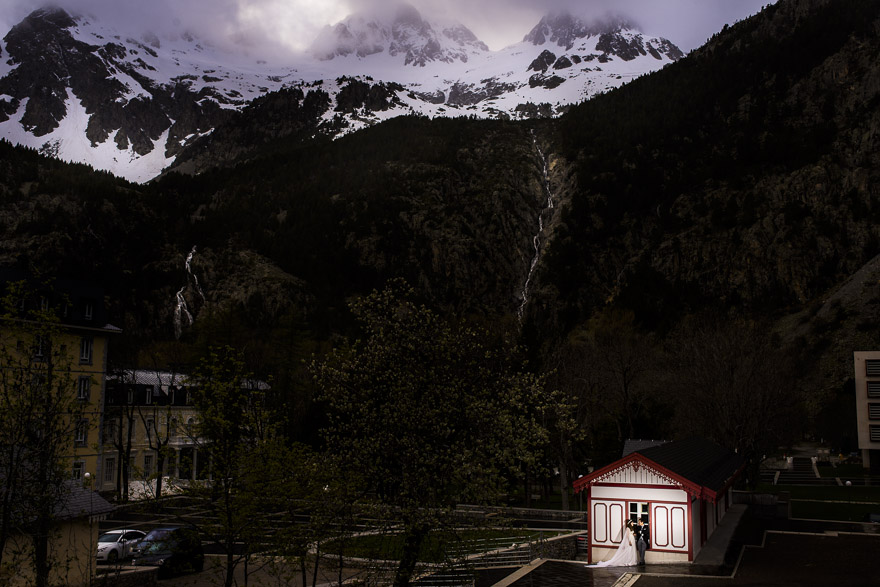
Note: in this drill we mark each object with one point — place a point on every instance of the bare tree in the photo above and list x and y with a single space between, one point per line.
574 408
624 357
733 384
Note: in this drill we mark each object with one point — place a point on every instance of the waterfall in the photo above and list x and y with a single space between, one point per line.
547 212
181 309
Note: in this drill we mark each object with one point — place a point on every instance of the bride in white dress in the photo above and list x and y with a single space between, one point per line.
626 555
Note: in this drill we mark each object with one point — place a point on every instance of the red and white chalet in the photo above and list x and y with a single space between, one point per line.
681 487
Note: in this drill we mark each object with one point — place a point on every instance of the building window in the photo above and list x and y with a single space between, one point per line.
81 433
39 347
874 389
78 468
148 466
88 311
83 388
874 411
149 428
109 470
130 397
872 367
638 511
110 431
190 424
148 396
875 433
85 350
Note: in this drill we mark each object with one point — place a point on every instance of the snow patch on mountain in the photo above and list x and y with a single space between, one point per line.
84 92
69 143
405 35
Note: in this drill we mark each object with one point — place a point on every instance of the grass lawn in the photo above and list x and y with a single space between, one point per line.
844 471
823 510
829 502
390 546
826 493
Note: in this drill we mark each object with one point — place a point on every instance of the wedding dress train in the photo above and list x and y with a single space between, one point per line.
626 555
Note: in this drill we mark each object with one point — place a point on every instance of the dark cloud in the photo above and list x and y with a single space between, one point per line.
294 23
689 23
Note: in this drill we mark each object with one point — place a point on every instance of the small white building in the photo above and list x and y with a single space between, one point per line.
682 489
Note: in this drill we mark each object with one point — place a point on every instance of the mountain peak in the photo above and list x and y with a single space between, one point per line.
402 30
564 29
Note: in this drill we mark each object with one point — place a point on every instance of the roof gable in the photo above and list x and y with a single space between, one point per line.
699 466
699 460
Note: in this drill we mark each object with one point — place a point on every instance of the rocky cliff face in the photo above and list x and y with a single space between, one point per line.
132 104
755 190
617 36
53 68
57 76
405 34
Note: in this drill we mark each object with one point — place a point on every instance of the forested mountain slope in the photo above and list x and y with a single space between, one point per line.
743 176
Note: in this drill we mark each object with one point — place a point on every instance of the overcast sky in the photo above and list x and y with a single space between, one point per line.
293 24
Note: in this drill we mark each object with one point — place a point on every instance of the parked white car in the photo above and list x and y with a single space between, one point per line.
115 545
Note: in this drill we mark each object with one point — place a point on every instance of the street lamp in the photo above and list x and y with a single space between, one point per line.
87 482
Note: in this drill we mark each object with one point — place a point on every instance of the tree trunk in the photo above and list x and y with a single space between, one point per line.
412 545
41 552
341 546
563 483
317 562
126 466
160 471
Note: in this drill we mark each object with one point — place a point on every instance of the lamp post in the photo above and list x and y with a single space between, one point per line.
87 482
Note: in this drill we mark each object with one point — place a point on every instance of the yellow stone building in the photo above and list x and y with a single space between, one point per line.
60 332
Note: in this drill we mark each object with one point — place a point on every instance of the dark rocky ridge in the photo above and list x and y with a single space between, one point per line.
50 60
406 34
754 189
742 178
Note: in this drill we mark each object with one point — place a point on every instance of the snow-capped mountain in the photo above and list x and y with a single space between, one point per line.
403 33
76 90
613 35
133 105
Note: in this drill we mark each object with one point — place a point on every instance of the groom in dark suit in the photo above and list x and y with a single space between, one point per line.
643 539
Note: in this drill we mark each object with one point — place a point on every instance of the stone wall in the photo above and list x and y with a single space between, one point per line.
559 547
126 577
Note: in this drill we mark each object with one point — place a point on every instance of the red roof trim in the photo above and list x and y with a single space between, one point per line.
689 486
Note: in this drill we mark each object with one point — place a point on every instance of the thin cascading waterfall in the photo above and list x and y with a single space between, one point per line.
192 275
181 309
537 243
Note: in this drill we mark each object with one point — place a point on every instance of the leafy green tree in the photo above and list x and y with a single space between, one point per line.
39 414
430 414
232 427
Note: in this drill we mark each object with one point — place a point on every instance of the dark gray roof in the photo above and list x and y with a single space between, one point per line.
698 460
80 502
631 445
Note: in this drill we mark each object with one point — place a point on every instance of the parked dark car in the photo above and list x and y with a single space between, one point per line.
174 549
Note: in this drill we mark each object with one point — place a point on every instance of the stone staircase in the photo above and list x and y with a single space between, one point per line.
802 472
